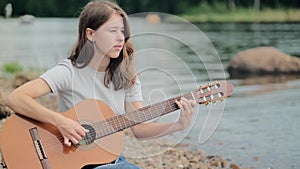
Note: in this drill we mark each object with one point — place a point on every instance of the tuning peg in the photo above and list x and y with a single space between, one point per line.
200 89
216 84
208 88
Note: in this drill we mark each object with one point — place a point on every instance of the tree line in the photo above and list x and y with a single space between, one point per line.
71 8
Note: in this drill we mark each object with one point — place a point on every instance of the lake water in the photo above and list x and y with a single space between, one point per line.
257 127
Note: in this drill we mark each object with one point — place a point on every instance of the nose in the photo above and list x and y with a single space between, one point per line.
120 36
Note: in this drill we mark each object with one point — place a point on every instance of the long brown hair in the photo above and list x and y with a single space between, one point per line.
121 70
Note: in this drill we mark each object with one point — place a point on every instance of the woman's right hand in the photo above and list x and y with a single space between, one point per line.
21 100
71 130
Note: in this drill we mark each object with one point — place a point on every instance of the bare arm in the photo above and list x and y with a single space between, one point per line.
22 101
154 130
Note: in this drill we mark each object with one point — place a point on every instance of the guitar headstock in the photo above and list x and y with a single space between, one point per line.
213 92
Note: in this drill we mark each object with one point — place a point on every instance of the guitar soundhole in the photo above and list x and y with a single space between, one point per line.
90 136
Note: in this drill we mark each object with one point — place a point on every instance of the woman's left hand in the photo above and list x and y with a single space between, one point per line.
187 108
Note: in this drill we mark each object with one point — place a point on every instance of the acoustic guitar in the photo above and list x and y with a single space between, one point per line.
26 143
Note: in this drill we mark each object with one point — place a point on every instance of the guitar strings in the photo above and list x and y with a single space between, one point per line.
110 125
107 129
104 128
56 143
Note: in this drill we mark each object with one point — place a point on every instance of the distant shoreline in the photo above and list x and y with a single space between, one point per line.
244 16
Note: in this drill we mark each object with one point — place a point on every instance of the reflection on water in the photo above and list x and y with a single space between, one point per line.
268 84
265 79
260 124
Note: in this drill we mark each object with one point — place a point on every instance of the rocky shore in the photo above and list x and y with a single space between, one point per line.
180 156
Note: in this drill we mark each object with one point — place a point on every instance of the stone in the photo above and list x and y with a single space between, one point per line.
234 166
214 163
223 163
262 60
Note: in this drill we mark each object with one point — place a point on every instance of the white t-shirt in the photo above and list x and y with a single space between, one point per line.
73 85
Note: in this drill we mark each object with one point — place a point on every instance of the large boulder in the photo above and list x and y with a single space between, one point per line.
261 61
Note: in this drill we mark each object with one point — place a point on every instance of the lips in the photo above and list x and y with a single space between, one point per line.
118 47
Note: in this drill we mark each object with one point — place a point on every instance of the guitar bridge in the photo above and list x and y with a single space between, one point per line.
39 148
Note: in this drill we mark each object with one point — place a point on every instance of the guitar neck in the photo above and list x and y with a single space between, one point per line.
121 122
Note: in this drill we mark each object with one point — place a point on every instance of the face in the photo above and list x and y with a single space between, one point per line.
109 38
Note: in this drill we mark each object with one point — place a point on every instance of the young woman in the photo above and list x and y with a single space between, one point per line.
100 66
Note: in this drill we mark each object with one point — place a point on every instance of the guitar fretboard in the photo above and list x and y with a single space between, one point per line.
121 122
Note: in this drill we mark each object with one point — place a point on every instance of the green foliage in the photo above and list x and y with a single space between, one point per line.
45 8
206 8
12 68
71 8
37 70
246 15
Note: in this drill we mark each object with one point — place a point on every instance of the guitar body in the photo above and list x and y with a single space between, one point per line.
19 150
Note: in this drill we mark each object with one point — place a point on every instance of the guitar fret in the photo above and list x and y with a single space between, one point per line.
122 123
151 114
136 119
105 128
160 108
131 120
118 125
98 129
168 102
144 114
112 124
156 110
164 107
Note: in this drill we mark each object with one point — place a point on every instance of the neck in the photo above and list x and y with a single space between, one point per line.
99 63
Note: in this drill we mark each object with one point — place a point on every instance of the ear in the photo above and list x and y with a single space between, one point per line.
89 34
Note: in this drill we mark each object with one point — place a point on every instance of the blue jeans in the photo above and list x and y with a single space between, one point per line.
121 163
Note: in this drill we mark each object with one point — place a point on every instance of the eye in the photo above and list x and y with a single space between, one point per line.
113 30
